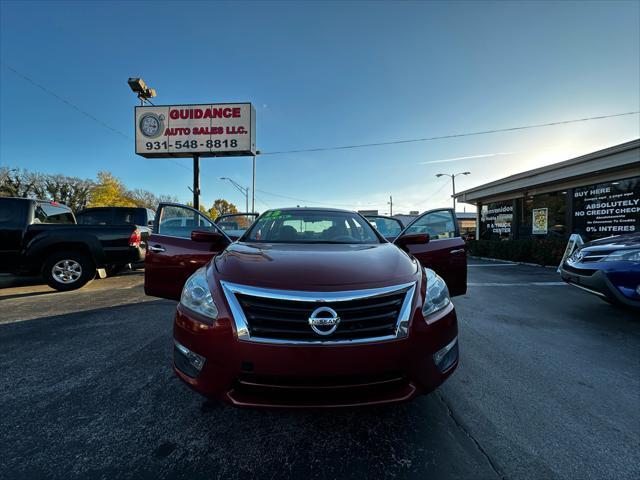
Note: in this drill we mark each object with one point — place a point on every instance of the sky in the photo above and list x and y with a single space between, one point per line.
321 75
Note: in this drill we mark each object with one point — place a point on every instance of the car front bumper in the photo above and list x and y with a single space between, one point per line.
251 374
596 282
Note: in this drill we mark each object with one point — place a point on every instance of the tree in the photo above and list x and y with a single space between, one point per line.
109 191
202 209
222 207
147 199
72 191
213 213
19 183
77 193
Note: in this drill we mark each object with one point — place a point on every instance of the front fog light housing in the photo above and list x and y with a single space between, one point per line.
447 356
196 296
437 296
188 362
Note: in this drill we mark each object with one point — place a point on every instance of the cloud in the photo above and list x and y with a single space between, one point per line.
456 159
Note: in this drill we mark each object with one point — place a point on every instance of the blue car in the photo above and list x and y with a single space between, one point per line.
608 267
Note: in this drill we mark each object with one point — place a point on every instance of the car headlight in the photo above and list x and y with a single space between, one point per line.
437 296
196 295
623 256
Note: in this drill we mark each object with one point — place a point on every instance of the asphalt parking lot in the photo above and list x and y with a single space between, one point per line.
548 387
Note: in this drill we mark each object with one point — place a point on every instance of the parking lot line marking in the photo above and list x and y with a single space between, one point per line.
519 284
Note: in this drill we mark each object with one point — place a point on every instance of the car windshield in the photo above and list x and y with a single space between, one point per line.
310 226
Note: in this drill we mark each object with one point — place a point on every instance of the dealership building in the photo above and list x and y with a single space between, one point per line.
595 195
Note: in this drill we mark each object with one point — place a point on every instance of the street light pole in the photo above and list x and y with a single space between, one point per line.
453 183
243 190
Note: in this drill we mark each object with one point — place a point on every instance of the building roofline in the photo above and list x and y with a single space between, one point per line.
589 157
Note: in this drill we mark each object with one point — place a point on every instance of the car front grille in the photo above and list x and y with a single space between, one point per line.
595 257
284 316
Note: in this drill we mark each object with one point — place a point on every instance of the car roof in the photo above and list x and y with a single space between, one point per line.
312 209
36 200
105 208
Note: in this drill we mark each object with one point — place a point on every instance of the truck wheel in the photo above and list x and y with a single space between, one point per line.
65 271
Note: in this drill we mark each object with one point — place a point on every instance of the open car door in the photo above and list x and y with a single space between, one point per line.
182 241
235 224
446 251
388 227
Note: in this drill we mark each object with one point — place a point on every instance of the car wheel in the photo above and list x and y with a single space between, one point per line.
65 271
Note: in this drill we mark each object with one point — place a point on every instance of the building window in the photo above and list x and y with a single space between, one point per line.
607 209
543 216
496 220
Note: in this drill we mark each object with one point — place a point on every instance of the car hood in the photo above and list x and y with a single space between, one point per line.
322 267
618 242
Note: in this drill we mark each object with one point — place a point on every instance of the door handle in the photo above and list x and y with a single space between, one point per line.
156 248
457 251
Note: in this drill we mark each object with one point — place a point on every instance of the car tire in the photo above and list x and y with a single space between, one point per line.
64 271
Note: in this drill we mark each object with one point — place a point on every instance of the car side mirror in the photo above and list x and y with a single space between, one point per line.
207 236
412 239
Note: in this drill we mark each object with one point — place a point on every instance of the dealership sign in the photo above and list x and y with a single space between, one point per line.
207 130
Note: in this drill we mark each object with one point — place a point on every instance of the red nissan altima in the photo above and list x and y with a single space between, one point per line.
308 308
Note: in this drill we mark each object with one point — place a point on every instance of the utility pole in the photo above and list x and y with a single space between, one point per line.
253 186
453 183
390 202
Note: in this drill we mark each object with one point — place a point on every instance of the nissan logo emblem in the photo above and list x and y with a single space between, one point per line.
325 324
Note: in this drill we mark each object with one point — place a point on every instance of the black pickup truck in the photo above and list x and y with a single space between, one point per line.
141 217
42 237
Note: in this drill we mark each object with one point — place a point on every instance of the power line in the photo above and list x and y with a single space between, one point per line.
69 103
312 201
263 202
441 137
78 109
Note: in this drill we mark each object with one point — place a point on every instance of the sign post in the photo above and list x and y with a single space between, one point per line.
196 182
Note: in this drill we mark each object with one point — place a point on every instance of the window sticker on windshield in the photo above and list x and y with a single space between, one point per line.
272 214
